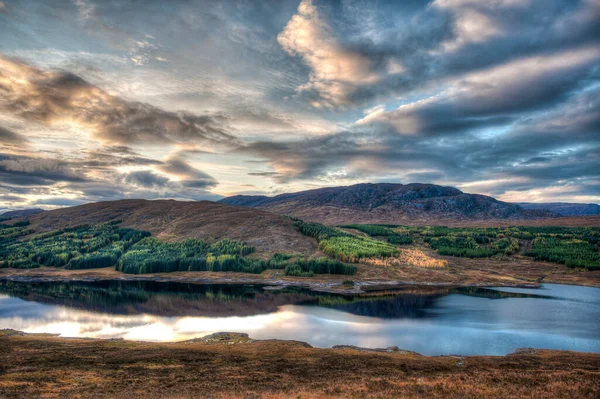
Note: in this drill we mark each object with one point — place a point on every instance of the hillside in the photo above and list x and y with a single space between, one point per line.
19 213
389 203
564 208
176 220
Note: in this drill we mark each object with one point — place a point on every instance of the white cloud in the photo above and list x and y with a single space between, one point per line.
335 71
474 20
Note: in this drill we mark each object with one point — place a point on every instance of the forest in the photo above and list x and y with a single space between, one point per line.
376 230
575 247
136 252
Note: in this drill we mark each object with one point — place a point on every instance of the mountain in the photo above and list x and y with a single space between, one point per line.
177 220
564 208
19 213
388 203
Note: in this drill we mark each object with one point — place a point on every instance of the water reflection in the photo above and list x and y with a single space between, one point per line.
430 321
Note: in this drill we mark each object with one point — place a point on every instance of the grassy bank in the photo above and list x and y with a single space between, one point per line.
234 366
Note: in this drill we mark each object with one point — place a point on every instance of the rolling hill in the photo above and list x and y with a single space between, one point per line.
564 208
389 203
18 213
177 220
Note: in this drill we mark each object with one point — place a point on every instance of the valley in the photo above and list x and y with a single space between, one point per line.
105 278
210 242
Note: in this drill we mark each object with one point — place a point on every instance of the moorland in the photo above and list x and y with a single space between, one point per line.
234 365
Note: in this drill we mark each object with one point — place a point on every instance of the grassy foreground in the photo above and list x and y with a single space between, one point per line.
235 366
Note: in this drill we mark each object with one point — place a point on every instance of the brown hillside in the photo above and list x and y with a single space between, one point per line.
334 216
408 204
177 220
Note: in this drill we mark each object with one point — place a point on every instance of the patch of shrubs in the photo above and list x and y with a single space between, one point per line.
308 267
344 246
572 253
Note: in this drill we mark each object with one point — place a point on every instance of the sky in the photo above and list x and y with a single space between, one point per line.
194 100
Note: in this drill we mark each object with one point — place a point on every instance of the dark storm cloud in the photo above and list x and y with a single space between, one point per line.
58 97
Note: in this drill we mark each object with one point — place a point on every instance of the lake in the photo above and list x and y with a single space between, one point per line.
431 321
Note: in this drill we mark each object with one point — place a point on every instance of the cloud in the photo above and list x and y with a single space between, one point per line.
86 9
498 96
114 156
190 176
489 97
264 174
557 146
59 201
54 98
10 137
385 53
146 178
335 71
22 170
474 21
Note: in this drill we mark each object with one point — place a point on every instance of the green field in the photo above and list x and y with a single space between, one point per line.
344 246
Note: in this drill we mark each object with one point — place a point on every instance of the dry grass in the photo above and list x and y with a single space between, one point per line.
36 366
413 257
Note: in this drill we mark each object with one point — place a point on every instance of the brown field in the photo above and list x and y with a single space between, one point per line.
234 366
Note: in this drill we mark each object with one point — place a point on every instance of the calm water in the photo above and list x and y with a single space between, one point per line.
430 321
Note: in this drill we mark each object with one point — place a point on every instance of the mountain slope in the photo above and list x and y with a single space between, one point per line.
177 220
19 213
387 203
564 208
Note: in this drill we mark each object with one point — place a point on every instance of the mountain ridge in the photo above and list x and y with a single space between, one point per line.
563 208
387 203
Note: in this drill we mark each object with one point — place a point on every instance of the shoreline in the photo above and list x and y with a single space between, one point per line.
235 338
235 365
360 287
322 283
